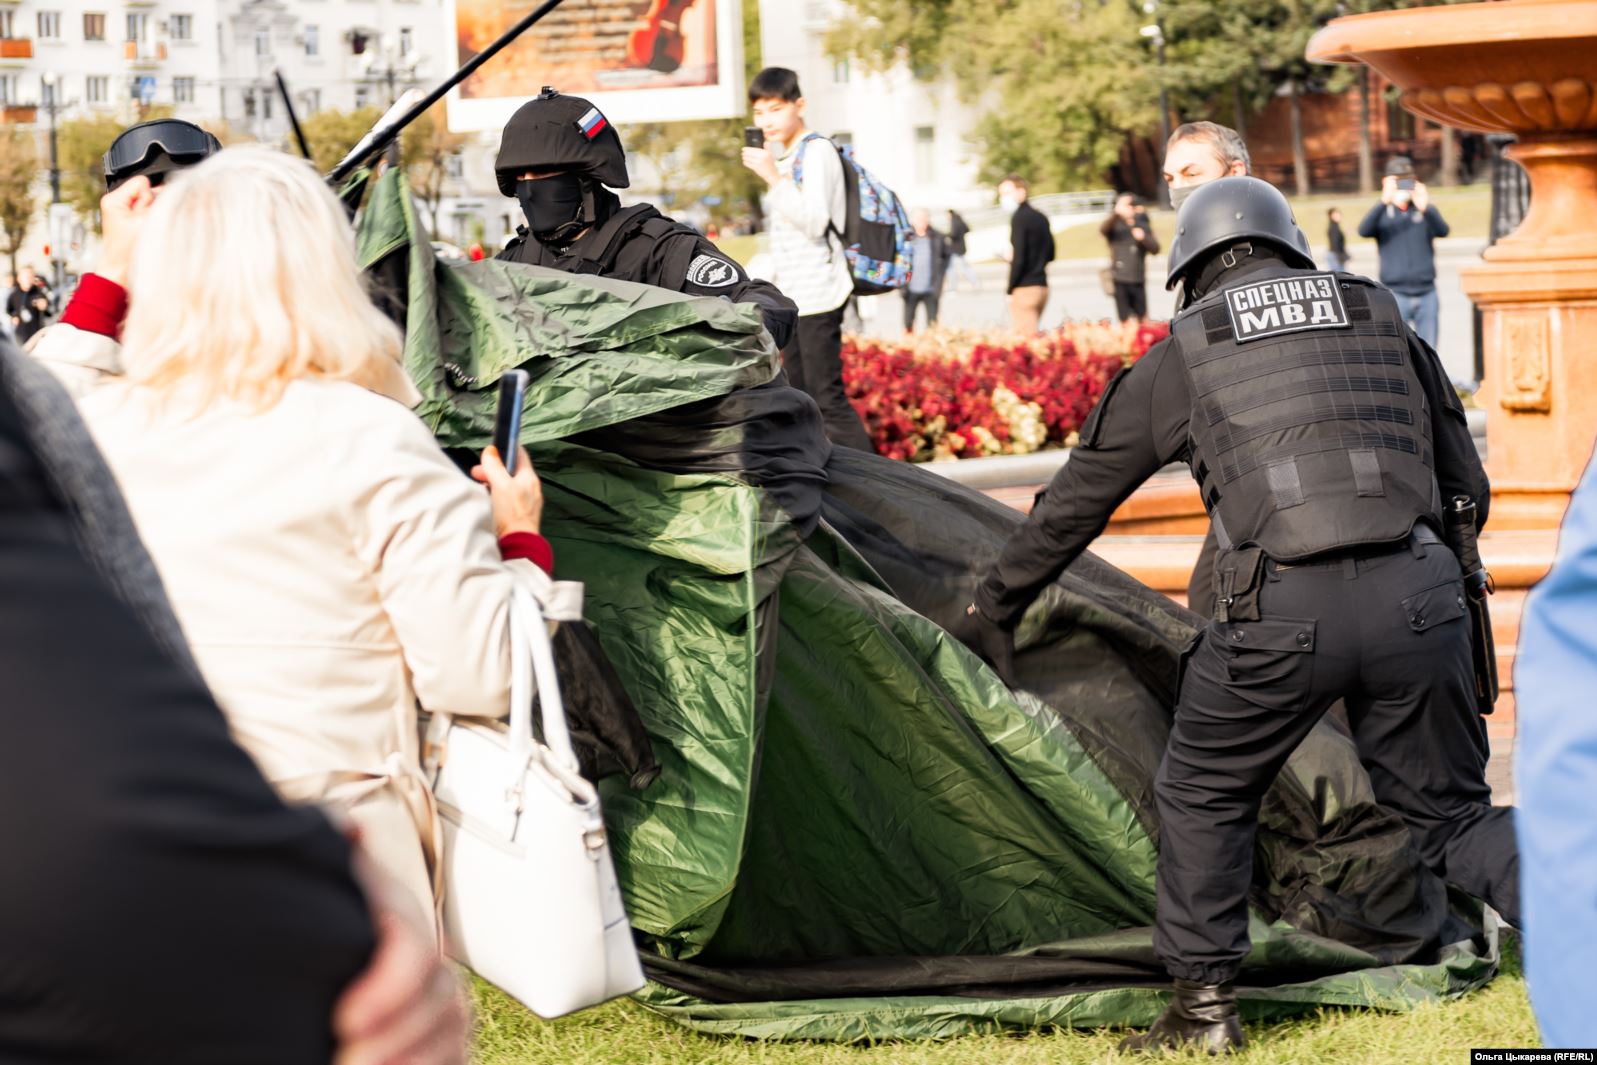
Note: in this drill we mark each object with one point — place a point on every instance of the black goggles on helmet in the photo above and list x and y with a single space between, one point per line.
182 142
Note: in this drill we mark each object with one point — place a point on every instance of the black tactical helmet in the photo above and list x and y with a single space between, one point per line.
560 133
155 149
1234 210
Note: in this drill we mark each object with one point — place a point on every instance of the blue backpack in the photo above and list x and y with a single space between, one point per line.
876 233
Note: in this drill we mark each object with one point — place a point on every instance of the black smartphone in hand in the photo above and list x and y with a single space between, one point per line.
753 137
507 417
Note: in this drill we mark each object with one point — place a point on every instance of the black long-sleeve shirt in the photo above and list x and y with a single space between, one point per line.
1141 429
1031 240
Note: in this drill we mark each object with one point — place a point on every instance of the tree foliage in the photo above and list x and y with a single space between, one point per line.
80 151
424 147
1061 84
19 171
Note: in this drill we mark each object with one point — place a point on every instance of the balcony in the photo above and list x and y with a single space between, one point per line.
21 115
144 53
16 48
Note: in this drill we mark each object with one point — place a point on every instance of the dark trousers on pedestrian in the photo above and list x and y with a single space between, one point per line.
1386 633
814 362
1131 300
912 300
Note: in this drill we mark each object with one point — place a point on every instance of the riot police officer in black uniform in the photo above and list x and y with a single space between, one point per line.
557 156
1324 436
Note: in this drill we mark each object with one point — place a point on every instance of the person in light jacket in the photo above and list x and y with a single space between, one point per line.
330 567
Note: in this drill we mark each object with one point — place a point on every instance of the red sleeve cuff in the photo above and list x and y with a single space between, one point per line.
530 546
98 306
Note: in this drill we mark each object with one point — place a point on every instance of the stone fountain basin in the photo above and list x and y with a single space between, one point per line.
1524 66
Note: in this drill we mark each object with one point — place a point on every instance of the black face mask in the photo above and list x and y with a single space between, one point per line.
554 207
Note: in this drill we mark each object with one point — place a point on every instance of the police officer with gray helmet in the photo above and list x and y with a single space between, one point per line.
557 156
1324 437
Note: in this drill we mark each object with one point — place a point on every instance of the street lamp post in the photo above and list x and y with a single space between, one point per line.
51 85
389 73
1155 33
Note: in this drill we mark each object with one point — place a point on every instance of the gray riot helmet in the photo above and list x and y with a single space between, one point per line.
1231 211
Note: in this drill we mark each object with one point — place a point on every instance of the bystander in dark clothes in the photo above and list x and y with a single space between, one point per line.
27 305
1131 241
1404 225
1337 257
958 265
1031 242
929 255
169 906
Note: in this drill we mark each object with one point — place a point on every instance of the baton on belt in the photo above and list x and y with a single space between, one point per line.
389 126
1459 522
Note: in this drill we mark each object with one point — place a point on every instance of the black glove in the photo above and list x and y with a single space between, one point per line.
990 640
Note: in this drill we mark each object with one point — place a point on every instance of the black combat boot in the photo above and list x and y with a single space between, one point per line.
1201 1016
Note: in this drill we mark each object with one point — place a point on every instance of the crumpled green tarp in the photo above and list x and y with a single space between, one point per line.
859 832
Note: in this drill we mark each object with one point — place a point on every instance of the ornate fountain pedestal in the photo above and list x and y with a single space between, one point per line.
1527 67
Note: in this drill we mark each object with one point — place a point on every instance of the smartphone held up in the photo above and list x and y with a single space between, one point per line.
507 417
753 137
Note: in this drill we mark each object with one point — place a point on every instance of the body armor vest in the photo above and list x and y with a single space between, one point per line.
600 251
1310 430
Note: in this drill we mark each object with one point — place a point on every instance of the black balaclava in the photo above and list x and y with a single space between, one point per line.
1202 279
557 207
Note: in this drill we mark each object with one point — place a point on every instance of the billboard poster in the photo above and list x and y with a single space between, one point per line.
637 60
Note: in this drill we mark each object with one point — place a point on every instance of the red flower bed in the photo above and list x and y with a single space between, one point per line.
945 395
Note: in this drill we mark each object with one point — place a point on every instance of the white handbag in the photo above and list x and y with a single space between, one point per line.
530 898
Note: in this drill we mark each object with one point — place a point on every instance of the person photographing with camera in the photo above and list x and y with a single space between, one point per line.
1404 225
1131 241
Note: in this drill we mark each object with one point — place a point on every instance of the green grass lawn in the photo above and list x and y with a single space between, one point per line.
623 1033
1467 210
741 248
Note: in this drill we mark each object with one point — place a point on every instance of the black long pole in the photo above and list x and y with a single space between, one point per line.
293 119
378 139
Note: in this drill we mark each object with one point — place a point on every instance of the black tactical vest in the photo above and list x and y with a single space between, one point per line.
601 251
1310 431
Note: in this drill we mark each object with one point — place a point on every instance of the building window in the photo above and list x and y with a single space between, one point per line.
925 153
454 166
183 90
843 137
8 90
181 27
313 41
263 42
362 96
46 91
93 26
313 100
266 105
7 24
138 26
49 25
840 71
97 90
249 103
406 41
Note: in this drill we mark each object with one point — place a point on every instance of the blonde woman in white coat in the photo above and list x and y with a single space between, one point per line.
329 565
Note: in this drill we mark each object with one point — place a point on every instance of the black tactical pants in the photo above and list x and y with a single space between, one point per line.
1388 635
814 362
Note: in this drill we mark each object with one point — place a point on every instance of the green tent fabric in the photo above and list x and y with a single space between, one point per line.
859 832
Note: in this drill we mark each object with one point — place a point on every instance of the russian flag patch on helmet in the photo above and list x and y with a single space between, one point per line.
592 123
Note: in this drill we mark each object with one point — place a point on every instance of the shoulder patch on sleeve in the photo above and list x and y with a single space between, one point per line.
711 271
